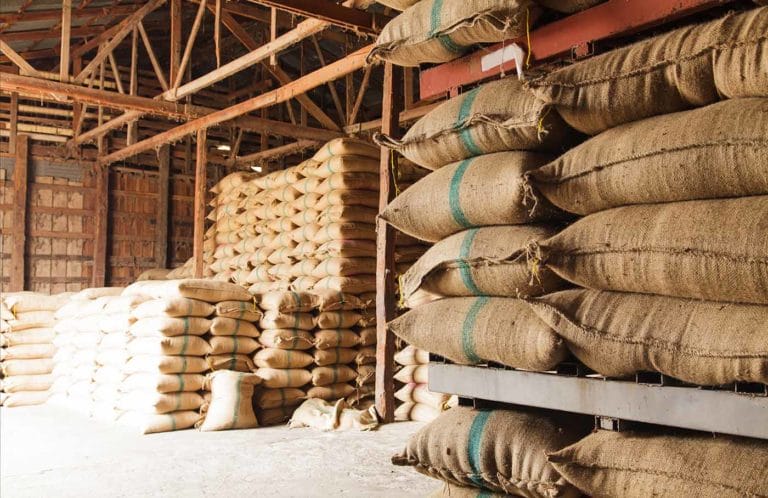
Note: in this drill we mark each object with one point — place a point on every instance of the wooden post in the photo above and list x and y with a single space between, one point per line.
101 214
13 126
66 24
175 57
200 184
20 180
133 126
385 249
161 222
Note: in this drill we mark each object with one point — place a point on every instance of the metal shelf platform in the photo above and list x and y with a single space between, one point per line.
703 409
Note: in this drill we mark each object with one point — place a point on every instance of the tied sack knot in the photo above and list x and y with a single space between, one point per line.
530 199
535 260
383 140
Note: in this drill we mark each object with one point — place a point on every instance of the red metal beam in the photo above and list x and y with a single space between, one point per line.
610 19
324 10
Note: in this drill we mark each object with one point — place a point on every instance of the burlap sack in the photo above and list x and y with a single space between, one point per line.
153 423
346 146
418 374
306 185
232 181
177 345
155 402
27 352
337 319
334 231
26 302
348 198
210 291
367 336
331 392
714 152
233 345
281 358
366 355
334 338
698 249
240 310
231 361
478 330
164 364
21 383
347 248
305 217
335 374
485 190
642 464
259 274
266 399
276 320
222 326
319 414
230 406
288 302
344 267
278 378
170 327
274 416
345 214
398 4
488 261
438 31
496 117
366 374
411 355
303 284
23 398
334 356
304 233
357 284
500 450
162 383
303 268
689 67
345 164
447 490
424 413
37 366
349 181
620 334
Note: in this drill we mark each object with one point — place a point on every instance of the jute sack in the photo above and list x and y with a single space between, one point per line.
347 248
447 490
240 310
281 225
488 261
481 191
303 284
96 292
305 217
366 374
346 147
305 233
210 291
689 67
232 181
23 398
266 399
421 394
334 338
169 327
334 356
151 423
155 402
335 374
279 378
27 352
357 284
344 164
495 117
347 198
619 334
413 373
286 339
222 326
411 355
230 406
274 416
709 250
25 302
333 231
281 358
259 274
21 383
337 319
37 366
287 302
303 268
306 185
642 464
349 181
344 214
174 307
331 392
177 345
713 152
165 364
162 383
276 320
231 361
319 414
264 287
233 345
438 31
500 450
398 4
344 267
366 355
472 330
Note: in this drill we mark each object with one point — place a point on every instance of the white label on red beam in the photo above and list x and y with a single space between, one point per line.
511 52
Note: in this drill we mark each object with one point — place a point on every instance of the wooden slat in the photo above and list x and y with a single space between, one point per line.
20 200
101 213
175 43
385 249
200 190
275 152
24 66
161 221
188 48
66 26
153 58
13 123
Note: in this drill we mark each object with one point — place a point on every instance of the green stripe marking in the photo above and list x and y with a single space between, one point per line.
184 346
464 268
484 494
183 364
434 27
454 200
236 413
475 445
186 325
468 327
465 134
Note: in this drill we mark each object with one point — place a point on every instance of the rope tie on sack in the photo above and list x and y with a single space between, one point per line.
529 195
535 260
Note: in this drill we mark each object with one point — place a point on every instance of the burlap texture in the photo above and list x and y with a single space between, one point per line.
471 330
643 464
286 339
713 250
500 450
346 146
618 334
277 320
288 302
447 490
496 117
222 326
487 261
165 364
334 374
233 345
689 67
230 406
169 326
333 338
266 399
162 383
714 152
278 378
231 361
331 392
411 355
240 310
282 358
334 356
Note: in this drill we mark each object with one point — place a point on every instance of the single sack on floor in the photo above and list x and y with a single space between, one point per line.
320 414
231 401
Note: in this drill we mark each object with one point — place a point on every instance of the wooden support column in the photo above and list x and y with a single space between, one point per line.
13 125
20 180
101 213
175 58
161 222
385 249
199 220
133 126
66 25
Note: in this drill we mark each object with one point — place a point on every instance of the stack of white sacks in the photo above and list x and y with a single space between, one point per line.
26 347
417 401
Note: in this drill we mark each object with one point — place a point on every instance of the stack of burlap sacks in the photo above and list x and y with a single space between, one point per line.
26 346
670 260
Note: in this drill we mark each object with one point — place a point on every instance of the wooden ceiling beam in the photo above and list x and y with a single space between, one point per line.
55 14
24 66
274 152
331 13
45 34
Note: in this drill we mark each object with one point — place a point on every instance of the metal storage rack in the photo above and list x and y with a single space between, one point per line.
740 409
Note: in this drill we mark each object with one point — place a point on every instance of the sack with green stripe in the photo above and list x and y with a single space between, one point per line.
233 345
499 450
488 261
618 334
151 401
222 326
337 319
287 302
344 267
331 392
481 191
473 330
178 306
343 164
334 374
349 181
266 399
346 146
495 117
276 320
344 214
169 326
334 356
242 310
288 377
442 30
231 398
333 338
282 358
231 361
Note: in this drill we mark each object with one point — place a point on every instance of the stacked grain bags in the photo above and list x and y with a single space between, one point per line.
26 347
417 402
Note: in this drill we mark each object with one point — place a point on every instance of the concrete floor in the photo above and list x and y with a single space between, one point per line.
49 451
